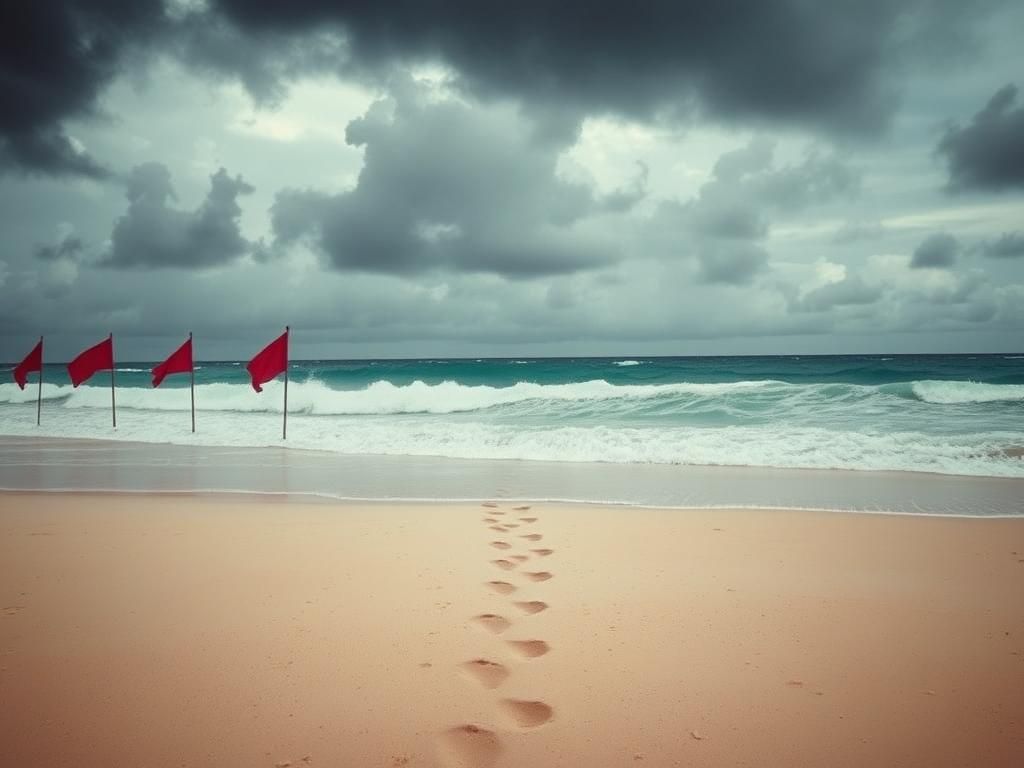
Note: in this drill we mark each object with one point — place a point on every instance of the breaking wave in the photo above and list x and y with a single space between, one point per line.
383 397
956 392
929 425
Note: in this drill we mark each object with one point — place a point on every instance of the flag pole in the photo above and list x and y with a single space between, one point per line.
284 428
39 400
192 373
113 407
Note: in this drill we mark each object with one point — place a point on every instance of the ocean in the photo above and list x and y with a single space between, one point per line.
947 414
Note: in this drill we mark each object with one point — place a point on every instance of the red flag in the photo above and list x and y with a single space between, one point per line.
271 361
31 364
97 358
179 362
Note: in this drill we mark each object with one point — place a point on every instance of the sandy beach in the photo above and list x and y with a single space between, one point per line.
176 630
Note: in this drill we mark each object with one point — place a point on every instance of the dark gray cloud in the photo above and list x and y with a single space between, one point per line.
47 152
265 60
988 154
938 251
448 186
55 57
783 61
152 234
786 60
725 225
70 247
730 263
1009 245
850 291
747 177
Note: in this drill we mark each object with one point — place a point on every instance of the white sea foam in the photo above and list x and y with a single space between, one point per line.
769 445
380 397
627 363
958 392
901 426
11 393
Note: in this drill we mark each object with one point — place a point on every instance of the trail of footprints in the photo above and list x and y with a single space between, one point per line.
471 745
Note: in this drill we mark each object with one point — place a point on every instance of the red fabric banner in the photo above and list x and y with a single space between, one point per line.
271 361
97 358
31 364
179 362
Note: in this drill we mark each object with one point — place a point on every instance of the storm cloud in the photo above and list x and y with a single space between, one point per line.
55 58
1009 245
727 223
787 61
70 247
850 291
152 234
447 186
453 178
988 154
938 251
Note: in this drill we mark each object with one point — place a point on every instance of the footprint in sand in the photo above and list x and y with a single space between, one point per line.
500 528
531 606
501 545
502 587
492 622
522 508
468 746
519 558
489 519
531 536
490 674
529 649
542 552
528 519
489 504
526 714
505 565
511 525
537 575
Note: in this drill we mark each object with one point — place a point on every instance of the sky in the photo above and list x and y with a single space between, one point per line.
504 179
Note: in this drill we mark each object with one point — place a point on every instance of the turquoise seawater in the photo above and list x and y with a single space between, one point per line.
957 414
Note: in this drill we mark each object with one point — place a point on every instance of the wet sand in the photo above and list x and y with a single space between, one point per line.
181 630
59 464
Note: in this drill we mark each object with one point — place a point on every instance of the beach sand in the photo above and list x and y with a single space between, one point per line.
172 630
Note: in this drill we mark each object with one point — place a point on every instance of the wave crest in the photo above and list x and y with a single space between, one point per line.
379 398
449 397
962 392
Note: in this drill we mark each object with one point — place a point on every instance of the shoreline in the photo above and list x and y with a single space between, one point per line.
165 630
66 464
1014 452
293 497
1011 452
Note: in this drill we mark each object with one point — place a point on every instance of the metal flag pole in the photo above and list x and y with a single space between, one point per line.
192 373
284 428
113 406
39 400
